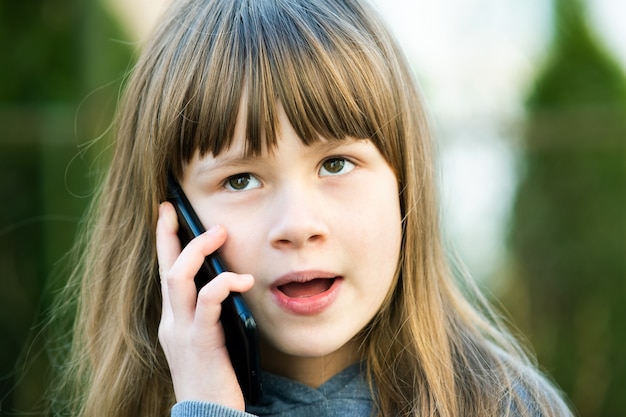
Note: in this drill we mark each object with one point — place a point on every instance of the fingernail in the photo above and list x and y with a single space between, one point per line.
215 229
170 219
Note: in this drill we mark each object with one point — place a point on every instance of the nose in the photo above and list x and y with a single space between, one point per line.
299 218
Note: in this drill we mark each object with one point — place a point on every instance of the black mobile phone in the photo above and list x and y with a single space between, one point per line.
240 329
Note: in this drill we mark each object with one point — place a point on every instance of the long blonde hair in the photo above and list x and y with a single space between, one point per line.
434 349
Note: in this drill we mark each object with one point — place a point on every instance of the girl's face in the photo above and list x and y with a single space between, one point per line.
319 227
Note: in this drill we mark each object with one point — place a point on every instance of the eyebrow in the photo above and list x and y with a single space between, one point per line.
242 160
221 161
329 145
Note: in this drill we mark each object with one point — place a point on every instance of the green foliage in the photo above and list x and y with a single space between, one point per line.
569 226
39 44
55 54
579 71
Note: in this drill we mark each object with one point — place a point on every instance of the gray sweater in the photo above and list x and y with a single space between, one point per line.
344 395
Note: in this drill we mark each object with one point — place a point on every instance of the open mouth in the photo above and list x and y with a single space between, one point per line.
307 289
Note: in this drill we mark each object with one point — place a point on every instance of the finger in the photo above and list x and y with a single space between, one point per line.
180 278
212 295
168 248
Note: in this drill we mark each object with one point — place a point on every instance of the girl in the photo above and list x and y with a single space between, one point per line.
296 131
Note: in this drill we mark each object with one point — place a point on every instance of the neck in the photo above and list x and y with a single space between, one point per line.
310 371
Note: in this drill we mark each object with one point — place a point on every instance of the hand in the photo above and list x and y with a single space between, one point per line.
190 331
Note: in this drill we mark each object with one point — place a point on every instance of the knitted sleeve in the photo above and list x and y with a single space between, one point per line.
202 409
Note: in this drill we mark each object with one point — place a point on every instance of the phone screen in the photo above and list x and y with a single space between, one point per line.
240 329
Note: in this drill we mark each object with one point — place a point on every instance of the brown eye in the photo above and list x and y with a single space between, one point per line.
336 166
241 182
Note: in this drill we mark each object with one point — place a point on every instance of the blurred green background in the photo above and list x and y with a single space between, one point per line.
63 65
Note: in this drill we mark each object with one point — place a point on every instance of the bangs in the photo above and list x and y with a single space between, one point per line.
328 73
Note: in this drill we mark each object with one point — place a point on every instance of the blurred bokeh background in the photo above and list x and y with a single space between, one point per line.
528 101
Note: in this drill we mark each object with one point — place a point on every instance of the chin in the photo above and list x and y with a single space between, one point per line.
311 346
308 348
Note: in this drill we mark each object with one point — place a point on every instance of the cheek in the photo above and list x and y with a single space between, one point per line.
383 223
376 243
390 240
240 251
241 243
376 234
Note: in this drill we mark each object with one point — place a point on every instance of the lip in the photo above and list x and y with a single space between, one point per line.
311 305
